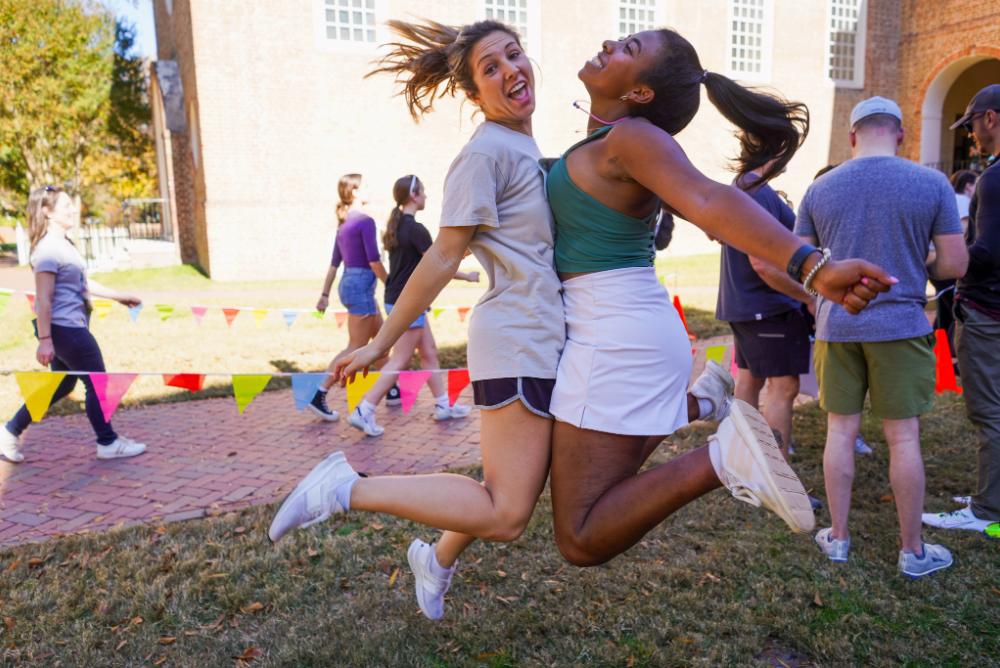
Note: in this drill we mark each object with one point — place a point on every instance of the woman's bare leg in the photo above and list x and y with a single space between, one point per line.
601 505
360 330
398 360
515 447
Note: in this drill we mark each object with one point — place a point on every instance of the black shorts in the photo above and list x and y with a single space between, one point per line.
774 346
534 393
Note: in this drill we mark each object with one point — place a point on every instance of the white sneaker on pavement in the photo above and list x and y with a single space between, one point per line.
315 498
935 558
365 423
834 548
121 447
963 518
431 581
451 412
717 387
748 461
10 446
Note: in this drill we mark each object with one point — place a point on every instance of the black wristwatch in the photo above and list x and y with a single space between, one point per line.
799 259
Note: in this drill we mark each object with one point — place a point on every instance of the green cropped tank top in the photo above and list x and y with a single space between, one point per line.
591 236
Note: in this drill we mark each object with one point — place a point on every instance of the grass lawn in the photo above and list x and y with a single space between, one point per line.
179 344
719 584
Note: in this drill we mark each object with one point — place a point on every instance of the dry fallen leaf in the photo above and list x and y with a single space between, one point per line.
256 606
8 622
35 562
13 565
886 498
216 576
120 645
249 654
311 553
817 600
159 662
392 578
501 574
167 640
137 620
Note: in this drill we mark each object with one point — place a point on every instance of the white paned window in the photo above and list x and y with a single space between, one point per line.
521 15
350 21
749 40
846 43
636 16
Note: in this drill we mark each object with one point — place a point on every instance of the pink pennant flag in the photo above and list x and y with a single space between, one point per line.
230 314
110 388
198 312
463 311
457 380
409 383
341 317
734 370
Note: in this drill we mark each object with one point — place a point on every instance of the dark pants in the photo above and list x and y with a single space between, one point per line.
76 350
978 340
945 311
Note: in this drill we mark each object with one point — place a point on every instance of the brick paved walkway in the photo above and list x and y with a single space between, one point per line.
204 458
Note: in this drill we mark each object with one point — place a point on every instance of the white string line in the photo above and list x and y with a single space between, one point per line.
280 374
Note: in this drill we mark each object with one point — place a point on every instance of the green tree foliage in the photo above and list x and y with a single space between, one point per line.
73 105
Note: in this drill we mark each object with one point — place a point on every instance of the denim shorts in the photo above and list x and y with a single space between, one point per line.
416 324
357 291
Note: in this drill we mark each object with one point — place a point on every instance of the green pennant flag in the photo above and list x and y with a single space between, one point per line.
246 387
4 298
715 353
165 311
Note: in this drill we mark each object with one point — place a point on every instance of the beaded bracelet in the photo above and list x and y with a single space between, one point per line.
807 284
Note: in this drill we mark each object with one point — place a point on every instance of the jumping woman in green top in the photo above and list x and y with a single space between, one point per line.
623 375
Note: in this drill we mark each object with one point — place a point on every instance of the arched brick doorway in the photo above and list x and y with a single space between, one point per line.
945 93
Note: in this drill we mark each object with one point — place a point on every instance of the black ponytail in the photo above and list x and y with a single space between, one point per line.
770 128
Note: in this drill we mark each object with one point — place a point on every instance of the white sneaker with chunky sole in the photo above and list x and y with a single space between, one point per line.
430 586
315 498
365 423
935 558
10 446
716 385
122 447
834 548
749 463
455 412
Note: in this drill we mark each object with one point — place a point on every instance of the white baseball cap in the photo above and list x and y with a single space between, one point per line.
875 105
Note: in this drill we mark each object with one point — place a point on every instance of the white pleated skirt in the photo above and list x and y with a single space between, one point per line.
627 361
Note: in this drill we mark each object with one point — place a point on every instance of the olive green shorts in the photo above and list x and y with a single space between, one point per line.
898 375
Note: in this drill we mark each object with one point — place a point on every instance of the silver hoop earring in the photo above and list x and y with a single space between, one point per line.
624 98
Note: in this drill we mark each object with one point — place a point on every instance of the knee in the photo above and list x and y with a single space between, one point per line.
509 526
576 552
785 387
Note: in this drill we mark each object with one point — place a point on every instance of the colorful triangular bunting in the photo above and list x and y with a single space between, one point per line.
198 312
462 312
945 381
246 387
304 386
436 312
289 315
4 298
457 380
102 307
110 388
258 315
188 381
357 388
37 388
230 314
716 354
31 301
134 311
341 317
165 311
409 383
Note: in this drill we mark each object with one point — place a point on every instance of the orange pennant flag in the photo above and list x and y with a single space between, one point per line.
946 380
463 311
341 317
457 380
680 312
230 314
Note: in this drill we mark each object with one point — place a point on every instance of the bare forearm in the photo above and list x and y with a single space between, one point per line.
780 281
98 290
331 275
379 270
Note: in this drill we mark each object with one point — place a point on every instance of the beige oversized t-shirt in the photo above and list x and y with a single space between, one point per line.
518 328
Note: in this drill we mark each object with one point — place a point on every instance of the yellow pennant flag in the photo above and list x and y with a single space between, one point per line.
258 315
715 353
358 387
436 312
246 387
102 307
37 388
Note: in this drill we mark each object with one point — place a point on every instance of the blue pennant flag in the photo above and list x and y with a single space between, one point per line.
134 312
289 315
304 386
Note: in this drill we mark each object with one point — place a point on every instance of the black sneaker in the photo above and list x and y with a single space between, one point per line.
319 407
393 397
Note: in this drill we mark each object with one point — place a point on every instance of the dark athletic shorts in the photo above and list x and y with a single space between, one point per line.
534 393
774 346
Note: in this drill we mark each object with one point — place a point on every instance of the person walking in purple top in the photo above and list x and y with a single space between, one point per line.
357 249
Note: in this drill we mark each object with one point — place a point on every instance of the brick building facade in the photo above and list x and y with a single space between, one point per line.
277 107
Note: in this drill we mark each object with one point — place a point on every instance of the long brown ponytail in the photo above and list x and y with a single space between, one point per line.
38 221
404 189
345 191
771 128
434 60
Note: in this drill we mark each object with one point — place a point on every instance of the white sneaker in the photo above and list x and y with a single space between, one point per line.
365 423
717 386
430 586
860 447
748 461
10 446
122 447
834 548
935 558
963 500
963 518
315 498
451 412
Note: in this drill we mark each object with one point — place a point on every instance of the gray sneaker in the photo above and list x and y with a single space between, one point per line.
935 558
834 549
315 498
860 447
430 586
717 386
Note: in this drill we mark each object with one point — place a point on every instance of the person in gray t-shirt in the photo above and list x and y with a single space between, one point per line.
887 210
62 304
